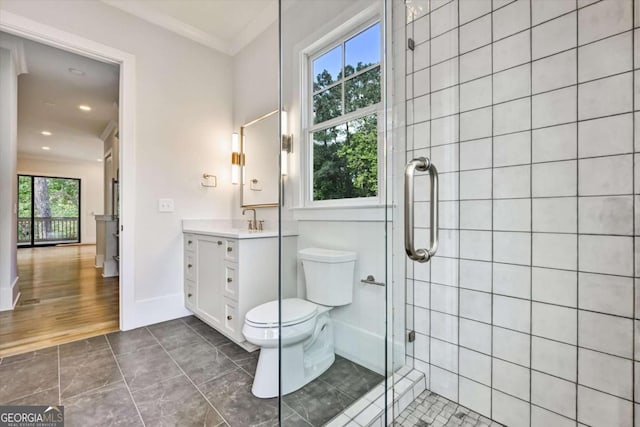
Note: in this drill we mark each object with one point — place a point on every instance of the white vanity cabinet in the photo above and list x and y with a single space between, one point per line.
224 277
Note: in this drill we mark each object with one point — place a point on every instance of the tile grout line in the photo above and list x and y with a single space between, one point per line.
531 212
492 261
544 373
532 25
185 374
232 361
135 405
430 148
575 85
457 202
634 391
577 205
217 348
543 127
543 57
601 313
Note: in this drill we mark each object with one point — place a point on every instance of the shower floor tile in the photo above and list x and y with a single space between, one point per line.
433 410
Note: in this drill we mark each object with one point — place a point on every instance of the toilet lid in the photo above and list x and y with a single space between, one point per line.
294 310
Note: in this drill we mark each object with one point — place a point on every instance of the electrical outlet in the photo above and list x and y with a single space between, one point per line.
165 205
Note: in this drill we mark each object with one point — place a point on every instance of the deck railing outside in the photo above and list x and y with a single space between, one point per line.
48 230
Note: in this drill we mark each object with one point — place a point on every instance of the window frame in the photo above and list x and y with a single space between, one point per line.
339 37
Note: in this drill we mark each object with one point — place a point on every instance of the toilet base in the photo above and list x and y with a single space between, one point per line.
302 362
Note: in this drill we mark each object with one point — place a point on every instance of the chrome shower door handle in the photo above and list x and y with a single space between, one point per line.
421 164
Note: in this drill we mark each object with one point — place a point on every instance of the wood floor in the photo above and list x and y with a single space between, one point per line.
64 298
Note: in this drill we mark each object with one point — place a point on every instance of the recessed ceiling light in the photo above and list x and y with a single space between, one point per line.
46 133
99 160
46 148
76 71
84 107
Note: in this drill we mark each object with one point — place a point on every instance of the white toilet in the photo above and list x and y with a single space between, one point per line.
307 332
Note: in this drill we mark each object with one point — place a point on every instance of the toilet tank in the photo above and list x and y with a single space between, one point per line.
328 275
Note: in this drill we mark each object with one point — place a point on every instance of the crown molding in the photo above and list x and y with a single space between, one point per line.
16 47
256 27
231 48
26 156
108 129
171 24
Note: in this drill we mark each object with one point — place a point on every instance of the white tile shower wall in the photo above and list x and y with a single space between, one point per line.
529 109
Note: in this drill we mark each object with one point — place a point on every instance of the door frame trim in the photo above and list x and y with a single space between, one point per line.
36 31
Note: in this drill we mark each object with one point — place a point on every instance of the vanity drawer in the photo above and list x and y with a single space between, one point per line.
231 321
190 294
189 266
231 250
231 280
189 242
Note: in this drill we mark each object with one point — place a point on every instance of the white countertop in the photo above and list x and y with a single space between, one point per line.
225 228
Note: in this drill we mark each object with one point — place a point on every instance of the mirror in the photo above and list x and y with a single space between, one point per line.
260 148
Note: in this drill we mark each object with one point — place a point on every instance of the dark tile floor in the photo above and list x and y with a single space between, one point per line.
176 373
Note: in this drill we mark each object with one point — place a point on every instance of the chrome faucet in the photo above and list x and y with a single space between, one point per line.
253 224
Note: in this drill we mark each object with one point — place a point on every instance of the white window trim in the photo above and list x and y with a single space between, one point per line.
324 44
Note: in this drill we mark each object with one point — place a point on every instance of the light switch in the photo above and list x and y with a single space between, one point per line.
165 205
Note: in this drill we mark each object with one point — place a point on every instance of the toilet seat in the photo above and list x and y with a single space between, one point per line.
294 311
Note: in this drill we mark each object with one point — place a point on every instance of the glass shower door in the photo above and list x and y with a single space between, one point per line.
338 202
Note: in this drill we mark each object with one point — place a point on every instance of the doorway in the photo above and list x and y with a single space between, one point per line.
67 123
48 210
19 26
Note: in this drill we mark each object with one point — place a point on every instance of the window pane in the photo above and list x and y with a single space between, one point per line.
327 69
327 104
345 160
24 209
362 50
363 90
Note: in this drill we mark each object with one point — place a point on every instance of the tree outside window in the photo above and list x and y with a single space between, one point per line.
346 92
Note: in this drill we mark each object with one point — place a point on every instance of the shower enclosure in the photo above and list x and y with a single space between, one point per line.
503 133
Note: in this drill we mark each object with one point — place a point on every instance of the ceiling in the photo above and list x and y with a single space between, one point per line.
224 25
49 96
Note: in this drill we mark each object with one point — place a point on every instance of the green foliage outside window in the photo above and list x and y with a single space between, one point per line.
345 160
345 157
58 197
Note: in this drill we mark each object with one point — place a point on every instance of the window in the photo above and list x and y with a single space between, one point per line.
344 94
48 210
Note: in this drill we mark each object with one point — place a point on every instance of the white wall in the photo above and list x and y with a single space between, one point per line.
359 327
183 120
8 180
255 92
91 188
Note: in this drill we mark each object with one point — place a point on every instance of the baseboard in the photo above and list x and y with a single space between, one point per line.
156 310
360 346
99 262
8 294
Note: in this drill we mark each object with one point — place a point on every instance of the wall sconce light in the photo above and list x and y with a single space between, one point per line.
235 159
286 146
209 180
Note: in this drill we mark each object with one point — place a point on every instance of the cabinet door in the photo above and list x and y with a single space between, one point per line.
232 323
210 280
